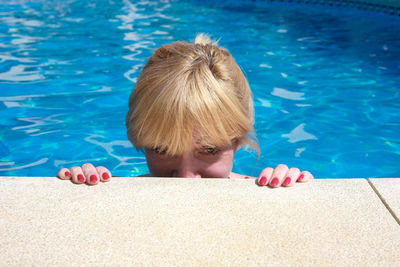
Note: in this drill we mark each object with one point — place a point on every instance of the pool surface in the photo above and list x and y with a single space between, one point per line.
326 82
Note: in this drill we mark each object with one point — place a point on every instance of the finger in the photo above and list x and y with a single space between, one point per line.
291 177
305 176
90 173
104 173
77 175
278 175
64 174
265 176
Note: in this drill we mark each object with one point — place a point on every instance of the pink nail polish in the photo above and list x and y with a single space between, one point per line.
67 174
287 181
105 176
93 178
301 177
81 178
263 181
275 182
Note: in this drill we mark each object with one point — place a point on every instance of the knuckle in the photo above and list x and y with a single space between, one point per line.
267 171
280 171
281 166
308 174
75 169
99 169
87 165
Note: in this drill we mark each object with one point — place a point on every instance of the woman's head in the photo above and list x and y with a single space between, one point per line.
189 91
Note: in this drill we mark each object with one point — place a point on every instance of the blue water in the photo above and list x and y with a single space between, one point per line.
325 79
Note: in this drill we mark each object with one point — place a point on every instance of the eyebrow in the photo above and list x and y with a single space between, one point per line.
198 141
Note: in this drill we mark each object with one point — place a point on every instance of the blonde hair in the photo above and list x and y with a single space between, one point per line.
190 88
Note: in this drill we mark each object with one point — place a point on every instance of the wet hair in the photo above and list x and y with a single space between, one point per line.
187 89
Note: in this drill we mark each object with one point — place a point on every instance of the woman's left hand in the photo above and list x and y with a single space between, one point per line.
283 176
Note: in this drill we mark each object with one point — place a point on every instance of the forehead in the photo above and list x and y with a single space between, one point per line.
199 138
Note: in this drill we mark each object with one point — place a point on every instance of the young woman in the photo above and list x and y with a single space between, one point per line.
190 111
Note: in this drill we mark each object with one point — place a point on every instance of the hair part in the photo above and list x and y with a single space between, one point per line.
186 89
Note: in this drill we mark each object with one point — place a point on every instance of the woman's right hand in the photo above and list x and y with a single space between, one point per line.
86 174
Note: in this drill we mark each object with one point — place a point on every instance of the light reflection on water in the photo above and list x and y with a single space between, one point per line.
325 82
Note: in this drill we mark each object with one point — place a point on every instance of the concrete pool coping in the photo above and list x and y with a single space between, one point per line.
172 221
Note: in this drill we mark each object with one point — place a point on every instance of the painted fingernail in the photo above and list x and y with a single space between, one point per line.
246 177
275 182
93 178
67 174
287 181
105 176
263 181
301 177
81 178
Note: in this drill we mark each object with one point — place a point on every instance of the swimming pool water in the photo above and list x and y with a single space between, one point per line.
325 81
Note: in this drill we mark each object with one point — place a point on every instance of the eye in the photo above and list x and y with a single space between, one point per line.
210 150
159 151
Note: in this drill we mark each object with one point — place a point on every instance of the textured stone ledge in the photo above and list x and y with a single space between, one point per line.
166 221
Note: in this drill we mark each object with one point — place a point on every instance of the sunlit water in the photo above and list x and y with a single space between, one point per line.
325 80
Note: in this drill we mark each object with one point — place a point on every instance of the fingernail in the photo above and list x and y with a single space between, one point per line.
301 177
275 182
81 178
287 181
93 178
67 174
105 176
246 177
263 181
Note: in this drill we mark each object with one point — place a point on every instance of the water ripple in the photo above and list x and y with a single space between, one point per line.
22 73
33 164
299 134
284 93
